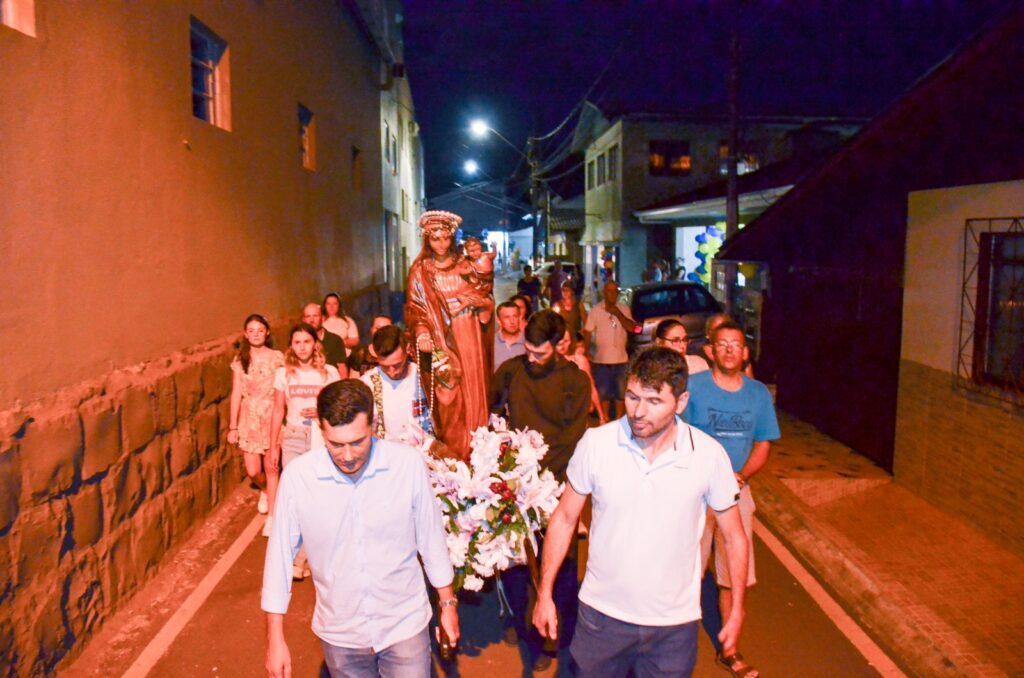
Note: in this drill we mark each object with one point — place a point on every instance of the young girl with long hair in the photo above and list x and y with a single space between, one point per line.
337 322
295 428
252 400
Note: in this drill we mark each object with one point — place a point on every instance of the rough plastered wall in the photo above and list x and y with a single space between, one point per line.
135 239
959 450
129 228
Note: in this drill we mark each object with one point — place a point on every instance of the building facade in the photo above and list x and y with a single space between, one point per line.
840 261
168 169
960 399
640 160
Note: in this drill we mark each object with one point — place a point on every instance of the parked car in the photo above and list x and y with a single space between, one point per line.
688 302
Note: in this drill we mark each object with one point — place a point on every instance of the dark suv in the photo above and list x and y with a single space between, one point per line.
688 302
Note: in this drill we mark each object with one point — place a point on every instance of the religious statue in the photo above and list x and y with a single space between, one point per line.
449 304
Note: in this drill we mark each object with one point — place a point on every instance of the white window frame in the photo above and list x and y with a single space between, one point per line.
216 90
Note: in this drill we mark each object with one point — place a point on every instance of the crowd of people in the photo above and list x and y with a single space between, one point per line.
666 438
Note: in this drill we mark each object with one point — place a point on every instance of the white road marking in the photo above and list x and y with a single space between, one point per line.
878 659
156 648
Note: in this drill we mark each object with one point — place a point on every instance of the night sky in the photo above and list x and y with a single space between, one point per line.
524 65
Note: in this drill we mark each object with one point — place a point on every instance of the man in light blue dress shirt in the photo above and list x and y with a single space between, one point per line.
364 510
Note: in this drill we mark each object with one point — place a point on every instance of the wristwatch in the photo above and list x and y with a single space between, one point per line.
451 602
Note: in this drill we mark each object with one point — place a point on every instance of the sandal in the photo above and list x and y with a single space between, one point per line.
730 661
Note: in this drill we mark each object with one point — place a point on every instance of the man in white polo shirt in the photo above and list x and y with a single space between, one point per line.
651 478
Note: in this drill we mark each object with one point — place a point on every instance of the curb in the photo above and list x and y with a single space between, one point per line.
879 605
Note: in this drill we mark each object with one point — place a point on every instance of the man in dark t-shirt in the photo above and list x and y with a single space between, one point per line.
530 285
543 391
334 346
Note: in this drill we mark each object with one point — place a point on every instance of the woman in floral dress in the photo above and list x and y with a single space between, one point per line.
252 399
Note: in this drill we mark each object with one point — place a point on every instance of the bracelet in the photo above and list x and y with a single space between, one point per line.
451 602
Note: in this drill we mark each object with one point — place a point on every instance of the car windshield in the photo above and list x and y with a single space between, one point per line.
674 300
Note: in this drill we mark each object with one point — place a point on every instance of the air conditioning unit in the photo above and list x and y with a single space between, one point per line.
414 128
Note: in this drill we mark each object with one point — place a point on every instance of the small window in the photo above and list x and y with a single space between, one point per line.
19 15
307 137
210 76
991 356
745 163
405 205
394 154
357 170
669 158
590 175
999 318
613 163
602 173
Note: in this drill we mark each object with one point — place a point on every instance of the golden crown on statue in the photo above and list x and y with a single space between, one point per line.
439 222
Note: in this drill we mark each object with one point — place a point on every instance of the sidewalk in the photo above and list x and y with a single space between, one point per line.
940 597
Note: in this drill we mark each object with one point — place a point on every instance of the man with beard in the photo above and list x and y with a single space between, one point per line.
401 407
652 478
546 393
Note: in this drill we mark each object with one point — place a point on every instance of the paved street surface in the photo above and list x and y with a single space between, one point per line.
786 633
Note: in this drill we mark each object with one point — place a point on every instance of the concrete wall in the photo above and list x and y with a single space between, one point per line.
132 229
959 450
136 238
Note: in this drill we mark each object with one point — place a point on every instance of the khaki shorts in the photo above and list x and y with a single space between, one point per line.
713 534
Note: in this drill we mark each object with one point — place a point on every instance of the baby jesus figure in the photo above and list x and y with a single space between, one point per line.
477 272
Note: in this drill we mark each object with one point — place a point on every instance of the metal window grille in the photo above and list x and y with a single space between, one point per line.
990 360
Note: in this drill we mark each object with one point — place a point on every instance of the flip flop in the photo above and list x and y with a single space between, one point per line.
728 662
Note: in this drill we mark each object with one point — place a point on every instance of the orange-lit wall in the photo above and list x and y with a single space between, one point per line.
130 229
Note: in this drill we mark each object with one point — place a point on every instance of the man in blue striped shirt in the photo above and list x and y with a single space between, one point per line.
364 510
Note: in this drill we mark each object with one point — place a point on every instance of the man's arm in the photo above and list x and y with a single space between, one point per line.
279 660
756 461
497 395
736 551
559 534
433 550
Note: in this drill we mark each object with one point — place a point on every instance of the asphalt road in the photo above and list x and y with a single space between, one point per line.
786 633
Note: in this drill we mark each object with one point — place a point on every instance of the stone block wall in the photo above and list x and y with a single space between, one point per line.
97 483
961 452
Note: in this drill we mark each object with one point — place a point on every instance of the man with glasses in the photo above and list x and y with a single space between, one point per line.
739 413
401 402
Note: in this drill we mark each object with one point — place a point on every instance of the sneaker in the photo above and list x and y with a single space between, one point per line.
263 505
542 663
266 526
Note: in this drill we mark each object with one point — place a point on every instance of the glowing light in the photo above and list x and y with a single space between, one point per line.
478 128
471 167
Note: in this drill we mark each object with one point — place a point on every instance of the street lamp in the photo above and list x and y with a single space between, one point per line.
470 167
479 129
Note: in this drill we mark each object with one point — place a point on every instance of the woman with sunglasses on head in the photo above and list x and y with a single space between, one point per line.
252 399
295 427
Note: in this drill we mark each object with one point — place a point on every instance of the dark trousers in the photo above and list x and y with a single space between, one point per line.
710 612
516 581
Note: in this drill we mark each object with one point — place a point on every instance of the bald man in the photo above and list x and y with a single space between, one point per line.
333 345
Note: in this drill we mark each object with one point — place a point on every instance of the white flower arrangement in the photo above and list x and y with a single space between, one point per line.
496 503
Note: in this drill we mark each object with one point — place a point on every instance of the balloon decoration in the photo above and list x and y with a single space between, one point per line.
708 244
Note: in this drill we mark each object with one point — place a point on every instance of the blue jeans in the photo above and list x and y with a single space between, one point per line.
409 658
606 647
516 581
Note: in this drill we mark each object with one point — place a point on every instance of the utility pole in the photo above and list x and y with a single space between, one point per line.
732 207
539 239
